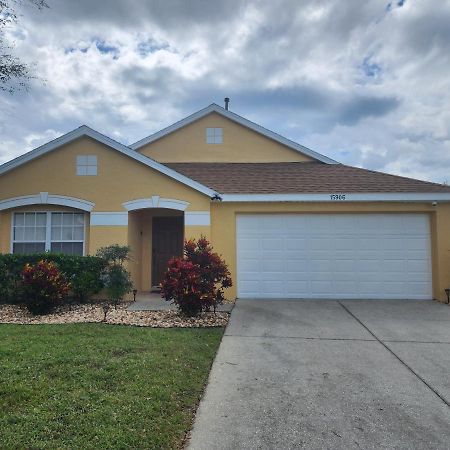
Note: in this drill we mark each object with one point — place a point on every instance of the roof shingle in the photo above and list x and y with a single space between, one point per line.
299 177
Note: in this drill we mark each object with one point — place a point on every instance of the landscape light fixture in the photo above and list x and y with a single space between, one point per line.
105 310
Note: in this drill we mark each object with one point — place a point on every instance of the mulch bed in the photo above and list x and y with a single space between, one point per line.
94 313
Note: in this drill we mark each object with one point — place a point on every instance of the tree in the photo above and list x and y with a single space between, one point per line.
11 68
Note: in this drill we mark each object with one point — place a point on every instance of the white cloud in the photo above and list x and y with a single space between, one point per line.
358 81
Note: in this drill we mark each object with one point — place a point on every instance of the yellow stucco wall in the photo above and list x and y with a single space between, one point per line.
240 144
223 230
119 179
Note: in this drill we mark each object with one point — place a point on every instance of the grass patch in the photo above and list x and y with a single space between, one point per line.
101 386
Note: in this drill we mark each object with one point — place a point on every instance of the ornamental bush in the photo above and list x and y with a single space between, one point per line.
196 281
83 273
116 279
45 286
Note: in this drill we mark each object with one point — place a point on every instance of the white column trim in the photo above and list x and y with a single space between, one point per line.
112 218
197 218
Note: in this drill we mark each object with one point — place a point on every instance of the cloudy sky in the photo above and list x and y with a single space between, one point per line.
364 82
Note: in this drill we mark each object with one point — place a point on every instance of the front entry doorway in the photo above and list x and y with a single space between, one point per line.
167 242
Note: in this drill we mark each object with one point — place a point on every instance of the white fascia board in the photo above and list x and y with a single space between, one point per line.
339 197
235 118
86 131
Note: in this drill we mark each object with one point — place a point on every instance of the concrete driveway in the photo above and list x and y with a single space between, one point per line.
328 374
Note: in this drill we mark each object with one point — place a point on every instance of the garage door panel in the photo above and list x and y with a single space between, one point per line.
272 244
334 256
344 255
319 276
296 244
296 276
418 266
417 288
320 243
246 224
293 224
249 244
250 288
295 257
273 222
345 266
272 287
369 266
273 265
394 287
297 287
250 265
320 265
416 244
322 287
416 254
252 276
345 287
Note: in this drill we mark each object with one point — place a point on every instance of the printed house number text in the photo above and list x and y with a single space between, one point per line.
337 196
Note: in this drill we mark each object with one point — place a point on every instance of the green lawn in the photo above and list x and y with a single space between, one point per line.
101 386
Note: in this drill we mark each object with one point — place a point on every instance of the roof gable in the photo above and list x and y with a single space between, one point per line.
111 143
235 118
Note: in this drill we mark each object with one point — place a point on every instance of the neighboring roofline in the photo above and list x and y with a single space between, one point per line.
84 130
236 118
340 198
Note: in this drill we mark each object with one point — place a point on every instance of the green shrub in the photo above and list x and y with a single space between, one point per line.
45 285
83 273
116 278
196 282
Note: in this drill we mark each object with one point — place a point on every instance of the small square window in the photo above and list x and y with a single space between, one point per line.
214 135
86 165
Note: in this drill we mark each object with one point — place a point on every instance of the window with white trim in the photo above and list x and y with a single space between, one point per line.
58 232
29 232
214 135
86 165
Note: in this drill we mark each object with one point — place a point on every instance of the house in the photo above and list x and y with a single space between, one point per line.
290 222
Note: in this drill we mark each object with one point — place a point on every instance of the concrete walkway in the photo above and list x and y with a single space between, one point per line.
328 374
151 301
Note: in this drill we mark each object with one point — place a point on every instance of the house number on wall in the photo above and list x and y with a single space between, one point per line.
337 196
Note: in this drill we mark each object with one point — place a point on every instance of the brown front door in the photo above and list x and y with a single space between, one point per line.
167 242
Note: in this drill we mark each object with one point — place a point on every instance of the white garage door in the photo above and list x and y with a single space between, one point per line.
334 256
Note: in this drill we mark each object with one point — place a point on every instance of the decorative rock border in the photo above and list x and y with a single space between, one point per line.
93 313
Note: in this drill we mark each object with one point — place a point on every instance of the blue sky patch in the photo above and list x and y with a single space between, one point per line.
398 4
149 46
370 69
106 48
